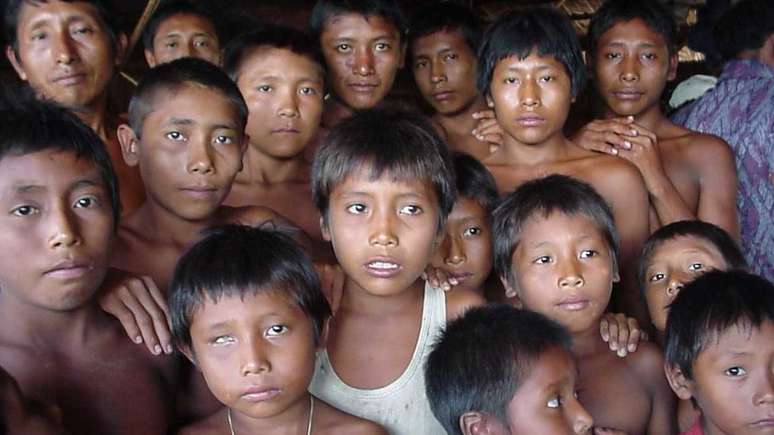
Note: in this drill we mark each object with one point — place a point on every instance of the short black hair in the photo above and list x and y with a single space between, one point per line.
29 125
744 27
236 260
655 15
542 197
713 234
707 307
388 10
390 142
446 16
296 41
13 9
519 33
170 77
475 181
170 9
482 358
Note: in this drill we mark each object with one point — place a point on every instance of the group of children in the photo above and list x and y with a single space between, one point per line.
422 275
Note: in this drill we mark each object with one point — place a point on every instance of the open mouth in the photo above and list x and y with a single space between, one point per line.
383 268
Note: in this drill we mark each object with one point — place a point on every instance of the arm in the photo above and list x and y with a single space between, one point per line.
717 177
649 363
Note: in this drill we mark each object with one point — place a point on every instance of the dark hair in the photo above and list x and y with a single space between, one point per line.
388 10
713 234
475 181
446 16
542 197
296 41
28 126
234 261
170 9
390 142
520 33
707 307
13 9
744 27
482 358
170 77
655 15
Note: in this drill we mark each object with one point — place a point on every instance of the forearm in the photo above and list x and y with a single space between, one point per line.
666 200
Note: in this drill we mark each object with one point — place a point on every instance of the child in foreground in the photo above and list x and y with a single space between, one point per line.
247 309
720 352
500 370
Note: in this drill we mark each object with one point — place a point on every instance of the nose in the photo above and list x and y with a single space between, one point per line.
64 51
582 421
765 394
383 232
187 49
64 229
530 94
437 72
676 283
288 104
570 275
254 358
199 158
629 72
364 62
455 254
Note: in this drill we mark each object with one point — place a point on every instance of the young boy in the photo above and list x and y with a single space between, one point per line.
247 309
688 175
181 29
676 254
720 352
364 47
384 194
61 204
555 249
281 73
530 69
442 42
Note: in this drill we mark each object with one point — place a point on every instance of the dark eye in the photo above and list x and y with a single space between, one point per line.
554 402
171 45
546 79
223 340
735 372
612 55
696 267
307 91
420 64
649 56
343 48
411 210
657 277
275 330
175 135
202 43
86 202
450 56
510 80
223 139
356 208
25 210
264 88
472 231
382 46
545 259
588 253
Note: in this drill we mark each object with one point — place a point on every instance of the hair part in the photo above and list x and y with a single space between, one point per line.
655 15
172 8
482 358
389 10
745 26
446 17
474 181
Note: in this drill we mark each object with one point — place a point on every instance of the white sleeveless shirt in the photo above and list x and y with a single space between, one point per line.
402 406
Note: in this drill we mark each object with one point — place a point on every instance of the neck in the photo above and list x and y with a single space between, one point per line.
356 300
162 225
293 420
95 116
552 149
335 112
651 118
262 168
588 341
462 122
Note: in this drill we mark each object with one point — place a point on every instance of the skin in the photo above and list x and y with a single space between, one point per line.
65 53
54 339
531 99
394 223
184 35
545 403
363 55
257 354
732 381
564 269
22 417
688 175
284 94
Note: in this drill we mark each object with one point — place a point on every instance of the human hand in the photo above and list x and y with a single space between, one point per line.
621 333
438 278
640 147
605 135
608 431
488 130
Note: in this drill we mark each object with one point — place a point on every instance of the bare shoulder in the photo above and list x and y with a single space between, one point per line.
615 178
332 421
252 215
211 425
706 148
460 300
647 363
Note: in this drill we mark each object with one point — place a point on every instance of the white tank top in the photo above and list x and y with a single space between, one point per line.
402 406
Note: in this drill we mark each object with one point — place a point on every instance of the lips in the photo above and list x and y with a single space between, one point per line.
285 130
70 79
530 121
69 269
461 276
260 394
443 95
766 422
382 267
573 304
363 88
628 94
200 192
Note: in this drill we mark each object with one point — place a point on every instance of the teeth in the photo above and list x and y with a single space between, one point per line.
382 265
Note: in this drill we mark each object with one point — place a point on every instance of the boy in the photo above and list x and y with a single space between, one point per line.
443 41
364 47
384 194
68 52
280 73
688 175
181 29
555 249
501 370
61 200
248 311
720 352
676 254
530 69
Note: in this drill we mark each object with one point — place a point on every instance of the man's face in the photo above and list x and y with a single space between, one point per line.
65 52
184 35
363 55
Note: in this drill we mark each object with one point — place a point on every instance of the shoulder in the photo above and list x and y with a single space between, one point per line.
460 300
616 179
330 420
647 363
207 426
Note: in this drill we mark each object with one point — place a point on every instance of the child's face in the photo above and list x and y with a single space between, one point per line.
546 403
531 97
673 264
466 251
363 57
564 270
188 157
445 71
284 92
256 353
631 66
383 231
65 51
57 214
184 35
733 382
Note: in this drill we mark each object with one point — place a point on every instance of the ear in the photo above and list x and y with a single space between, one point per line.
188 352
510 291
121 43
403 50
129 144
243 150
324 231
680 384
324 335
673 63
489 100
150 58
15 62
476 423
616 274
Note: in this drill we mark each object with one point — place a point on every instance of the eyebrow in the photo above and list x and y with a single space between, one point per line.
638 44
538 68
30 187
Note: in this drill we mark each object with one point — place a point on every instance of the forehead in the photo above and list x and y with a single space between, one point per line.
268 60
466 207
682 245
185 23
362 180
444 39
351 25
740 337
185 103
554 366
559 224
532 61
247 306
34 13
52 168
634 31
